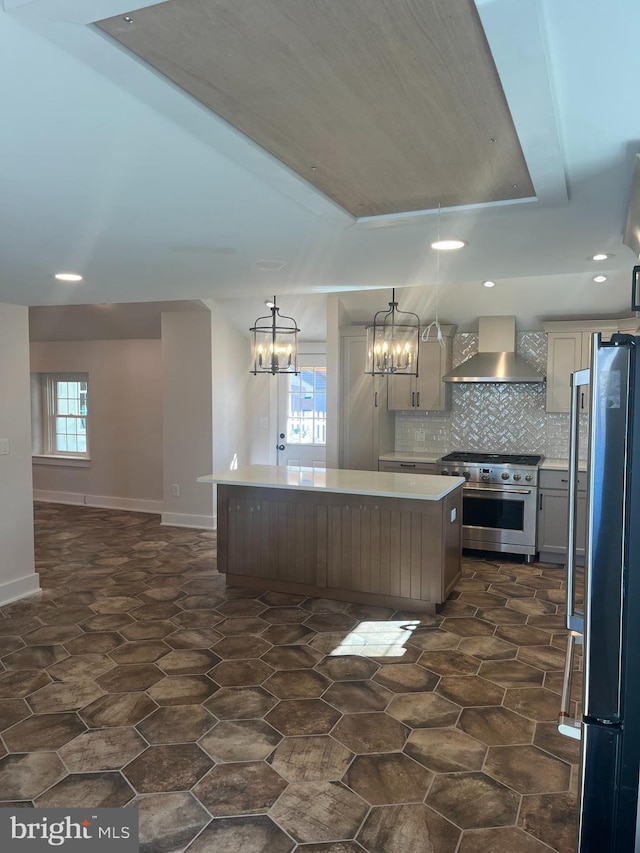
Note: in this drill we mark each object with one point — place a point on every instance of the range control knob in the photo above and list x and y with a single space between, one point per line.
466 475
485 478
444 472
505 475
529 478
455 473
516 477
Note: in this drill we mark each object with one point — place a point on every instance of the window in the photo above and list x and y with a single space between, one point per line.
60 414
307 407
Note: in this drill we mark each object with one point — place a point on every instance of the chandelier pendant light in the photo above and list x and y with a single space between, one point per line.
392 342
274 343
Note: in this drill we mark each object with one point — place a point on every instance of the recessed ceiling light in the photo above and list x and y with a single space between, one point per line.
489 283
447 245
67 276
599 278
600 256
270 265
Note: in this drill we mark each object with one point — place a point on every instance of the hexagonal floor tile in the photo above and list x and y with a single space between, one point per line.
182 690
551 818
473 800
115 604
131 677
470 690
168 822
319 811
284 615
240 626
449 662
107 749
51 634
331 622
35 657
511 673
434 640
406 678
241 647
174 767
240 740
188 662
254 834
241 607
522 635
291 657
420 710
445 750
121 709
468 627
311 759
356 696
12 711
240 703
141 651
487 648
147 630
495 725
84 790
388 778
81 667
546 658
528 769
57 696
193 638
286 635
297 684
548 738
399 829
347 668
234 789
43 732
363 733
97 643
176 724
303 717
536 703
241 673
27 775
502 839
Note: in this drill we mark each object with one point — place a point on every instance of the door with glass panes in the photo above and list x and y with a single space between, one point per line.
302 413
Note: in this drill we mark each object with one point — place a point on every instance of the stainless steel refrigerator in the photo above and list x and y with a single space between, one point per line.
603 602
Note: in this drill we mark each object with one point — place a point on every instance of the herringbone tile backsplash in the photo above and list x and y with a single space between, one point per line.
496 418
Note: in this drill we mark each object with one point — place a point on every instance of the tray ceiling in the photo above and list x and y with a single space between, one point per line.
386 106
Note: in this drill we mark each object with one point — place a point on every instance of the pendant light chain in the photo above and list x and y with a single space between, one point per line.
436 322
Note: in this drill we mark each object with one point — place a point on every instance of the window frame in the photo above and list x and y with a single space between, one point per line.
48 414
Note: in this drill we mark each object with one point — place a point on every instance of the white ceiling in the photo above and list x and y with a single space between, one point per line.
109 170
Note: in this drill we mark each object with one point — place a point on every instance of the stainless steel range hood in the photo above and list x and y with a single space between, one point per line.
496 360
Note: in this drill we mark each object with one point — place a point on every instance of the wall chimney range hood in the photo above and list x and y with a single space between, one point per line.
496 360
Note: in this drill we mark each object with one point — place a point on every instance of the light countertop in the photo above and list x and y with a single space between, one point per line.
425 487
409 456
560 465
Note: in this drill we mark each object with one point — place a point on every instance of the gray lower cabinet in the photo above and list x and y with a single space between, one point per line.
553 516
408 467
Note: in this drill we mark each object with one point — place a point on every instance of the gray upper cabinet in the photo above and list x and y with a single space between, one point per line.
425 392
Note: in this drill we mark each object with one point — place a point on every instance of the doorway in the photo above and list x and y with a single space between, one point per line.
302 413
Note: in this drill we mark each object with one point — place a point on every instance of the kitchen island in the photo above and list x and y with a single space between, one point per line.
364 536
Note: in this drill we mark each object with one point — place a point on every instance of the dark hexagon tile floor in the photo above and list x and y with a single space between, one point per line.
262 722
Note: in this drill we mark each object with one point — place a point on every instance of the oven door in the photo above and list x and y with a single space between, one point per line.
494 516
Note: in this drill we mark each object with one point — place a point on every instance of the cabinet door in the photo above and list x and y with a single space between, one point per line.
357 402
401 393
432 394
553 522
564 357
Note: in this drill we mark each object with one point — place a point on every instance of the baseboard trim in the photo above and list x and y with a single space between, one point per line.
179 519
99 501
19 588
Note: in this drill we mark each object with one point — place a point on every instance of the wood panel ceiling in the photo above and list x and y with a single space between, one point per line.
386 106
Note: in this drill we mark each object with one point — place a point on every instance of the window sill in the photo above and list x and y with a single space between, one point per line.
65 461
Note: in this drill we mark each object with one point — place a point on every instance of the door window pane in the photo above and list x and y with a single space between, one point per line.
307 408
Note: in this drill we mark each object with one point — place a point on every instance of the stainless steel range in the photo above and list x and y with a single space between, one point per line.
500 500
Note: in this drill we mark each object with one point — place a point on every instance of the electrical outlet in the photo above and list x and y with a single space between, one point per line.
4 446
420 435
175 490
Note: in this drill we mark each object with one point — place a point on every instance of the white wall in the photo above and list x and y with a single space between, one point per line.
187 418
125 424
17 574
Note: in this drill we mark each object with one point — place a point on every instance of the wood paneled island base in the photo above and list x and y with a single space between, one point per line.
400 552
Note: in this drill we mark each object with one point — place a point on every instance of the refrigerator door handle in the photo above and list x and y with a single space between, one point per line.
568 725
575 621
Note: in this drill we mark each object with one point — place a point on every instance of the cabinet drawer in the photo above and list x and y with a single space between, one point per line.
408 467
560 480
